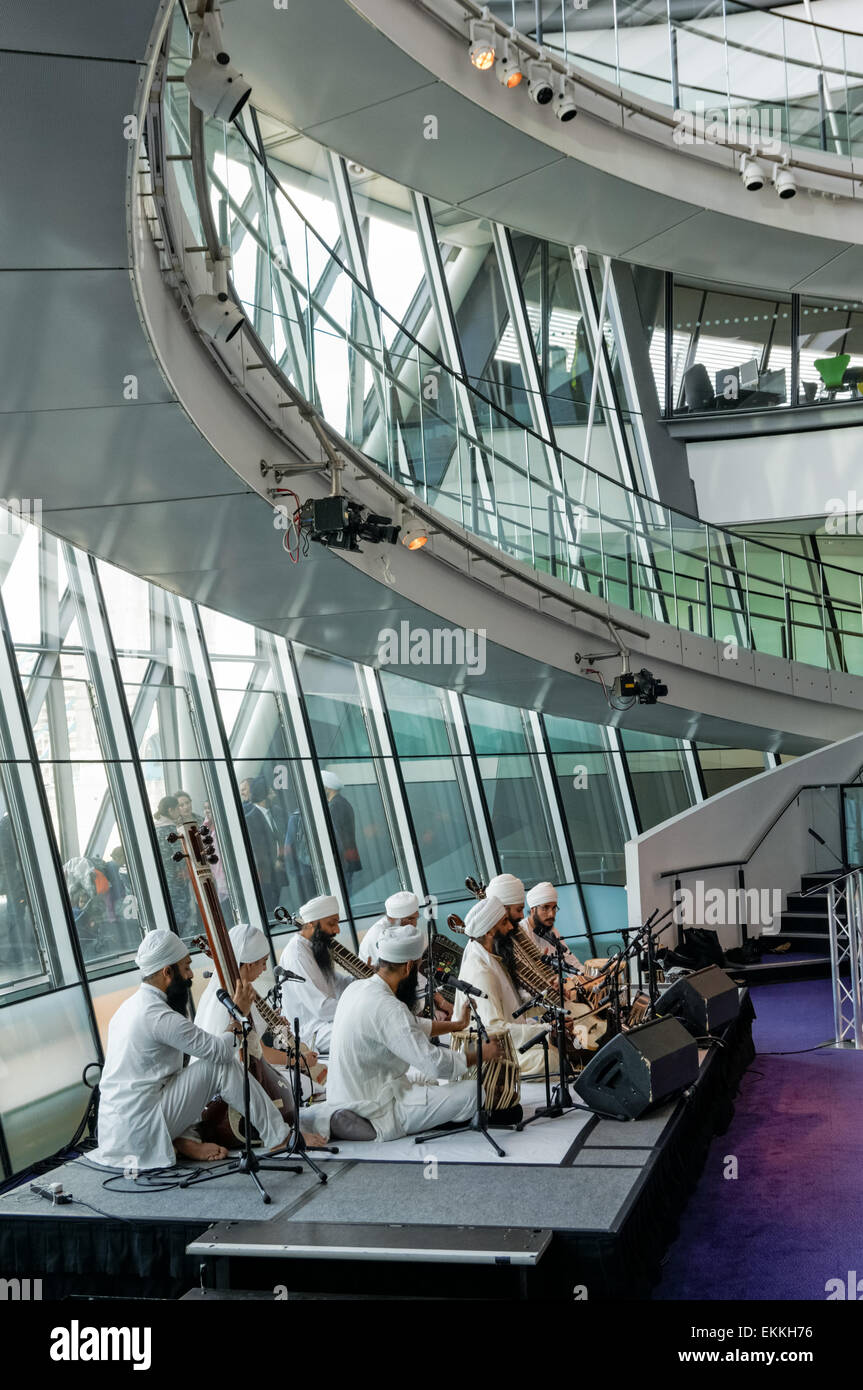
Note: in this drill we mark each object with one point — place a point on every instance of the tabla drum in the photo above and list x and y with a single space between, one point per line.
501 1078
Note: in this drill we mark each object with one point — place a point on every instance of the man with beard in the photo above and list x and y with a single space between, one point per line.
542 910
309 954
509 890
149 1099
401 909
377 1041
485 964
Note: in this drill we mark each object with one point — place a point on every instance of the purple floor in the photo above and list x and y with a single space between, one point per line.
793 1218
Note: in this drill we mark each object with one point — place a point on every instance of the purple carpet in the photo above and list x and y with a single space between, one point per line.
793 1217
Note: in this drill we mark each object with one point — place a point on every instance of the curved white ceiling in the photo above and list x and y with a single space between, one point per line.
134 480
363 77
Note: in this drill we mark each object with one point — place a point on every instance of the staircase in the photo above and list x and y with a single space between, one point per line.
806 929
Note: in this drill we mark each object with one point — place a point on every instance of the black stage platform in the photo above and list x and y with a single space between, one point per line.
579 1204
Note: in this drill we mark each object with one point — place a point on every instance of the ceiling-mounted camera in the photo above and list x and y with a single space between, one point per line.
639 685
341 524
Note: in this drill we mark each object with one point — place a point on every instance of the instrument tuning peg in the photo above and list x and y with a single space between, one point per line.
172 838
178 856
212 858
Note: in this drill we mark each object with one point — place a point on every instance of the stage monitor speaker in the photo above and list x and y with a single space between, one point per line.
639 1069
703 1001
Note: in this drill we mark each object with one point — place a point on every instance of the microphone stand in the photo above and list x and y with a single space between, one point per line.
479 1121
249 1161
297 1145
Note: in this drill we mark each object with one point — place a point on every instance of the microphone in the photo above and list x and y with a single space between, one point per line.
531 1004
466 988
532 1042
224 998
280 974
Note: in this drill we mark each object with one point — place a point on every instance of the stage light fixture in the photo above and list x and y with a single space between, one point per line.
217 314
784 182
752 173
414 536
482 42
539 84
215 87
509 73
564 107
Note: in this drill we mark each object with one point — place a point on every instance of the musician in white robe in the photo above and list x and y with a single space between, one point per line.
377 1040
542 907
308 953
402 909
148 1099
509 890
251 953
482 966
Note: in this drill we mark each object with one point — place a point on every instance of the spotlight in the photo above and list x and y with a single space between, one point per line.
752 173
482 42
784 181
509 73
414 536
215 87
564 107
539 85
218 316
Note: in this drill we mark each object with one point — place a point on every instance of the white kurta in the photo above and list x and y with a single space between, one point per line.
213 1017
376 1041
369 943
546 948
483 970
147 1099
313 1002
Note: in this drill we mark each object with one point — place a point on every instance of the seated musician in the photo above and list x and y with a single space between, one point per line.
488 965
309 953
509 890
401 909
542 910
377 1039
148 1099
251 953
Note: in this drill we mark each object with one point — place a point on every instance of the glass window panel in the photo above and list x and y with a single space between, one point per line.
362 828
658 775
334 704
597 829
497 728
519 817
418 716
447 840
45 1043
21 945
725 767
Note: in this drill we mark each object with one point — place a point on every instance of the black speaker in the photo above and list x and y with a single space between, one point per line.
639 1069
703 1001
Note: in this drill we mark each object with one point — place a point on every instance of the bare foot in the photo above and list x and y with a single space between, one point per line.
205 1153
311 1141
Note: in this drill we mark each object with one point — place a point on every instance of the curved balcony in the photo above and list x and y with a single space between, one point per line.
322 340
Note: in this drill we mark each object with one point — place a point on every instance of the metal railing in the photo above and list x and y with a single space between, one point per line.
324 339
845 908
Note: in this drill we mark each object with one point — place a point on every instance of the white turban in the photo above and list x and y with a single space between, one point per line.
483 916
401 944
158 949
401 905
316 908
508 889
249 943
331 781
541 893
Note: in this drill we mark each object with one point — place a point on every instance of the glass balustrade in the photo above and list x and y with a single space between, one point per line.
433 432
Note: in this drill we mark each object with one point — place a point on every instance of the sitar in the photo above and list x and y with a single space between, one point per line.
537 975
220 1123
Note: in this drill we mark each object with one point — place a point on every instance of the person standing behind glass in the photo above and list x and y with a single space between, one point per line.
342 815
266 845
19 945
298 860
166 818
